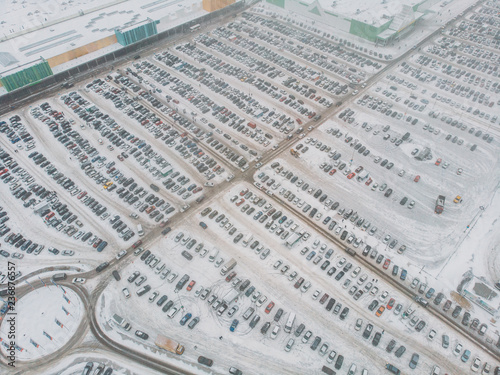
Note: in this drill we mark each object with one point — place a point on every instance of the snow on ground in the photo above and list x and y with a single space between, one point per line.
270 282
37 313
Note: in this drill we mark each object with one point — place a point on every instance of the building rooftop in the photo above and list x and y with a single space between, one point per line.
47 29
373 12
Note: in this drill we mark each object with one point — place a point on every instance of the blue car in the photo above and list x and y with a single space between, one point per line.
185 318
234 325
403 274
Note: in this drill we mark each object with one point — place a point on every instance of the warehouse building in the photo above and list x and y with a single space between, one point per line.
380 22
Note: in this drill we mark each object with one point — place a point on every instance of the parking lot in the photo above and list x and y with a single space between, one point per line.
289 239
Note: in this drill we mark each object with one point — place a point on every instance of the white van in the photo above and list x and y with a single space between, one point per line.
289 323
275 331
140 231
436 370
213 255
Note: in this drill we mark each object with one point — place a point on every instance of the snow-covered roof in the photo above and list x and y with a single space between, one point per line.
55 27
372 12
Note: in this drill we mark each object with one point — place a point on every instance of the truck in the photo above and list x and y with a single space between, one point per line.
363 175
439 204
121 322
41 207
166 171
293 239
228 267
169 344
231 296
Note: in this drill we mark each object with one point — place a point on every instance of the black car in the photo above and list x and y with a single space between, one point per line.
205 361
368 330
373 305
456 312
400 351
116 275
88 368
278 315
376 339
390 346
142 335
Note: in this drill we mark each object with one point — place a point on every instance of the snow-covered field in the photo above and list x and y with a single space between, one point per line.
45 329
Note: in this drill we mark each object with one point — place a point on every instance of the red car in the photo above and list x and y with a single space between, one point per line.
324 298
351 175
190 286
230 276
82 194
368 182
243 192
390 305
332 172
269 307
438 161
240 202
137 244
359 169
417 178
299 121
386 263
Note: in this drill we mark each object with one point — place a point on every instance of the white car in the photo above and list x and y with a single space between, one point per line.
68 253
431 335
79 280
126 293
121 254
305 287
316 294
261 300
475 364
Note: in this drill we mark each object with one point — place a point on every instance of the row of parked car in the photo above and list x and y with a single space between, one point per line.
16 132
203 103
286 36
357 291
187 148
99 370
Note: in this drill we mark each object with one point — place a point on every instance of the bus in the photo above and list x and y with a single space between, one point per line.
194 27
289 323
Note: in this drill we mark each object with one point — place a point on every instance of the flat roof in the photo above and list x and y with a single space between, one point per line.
374 13
49 30
14 69
135 25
